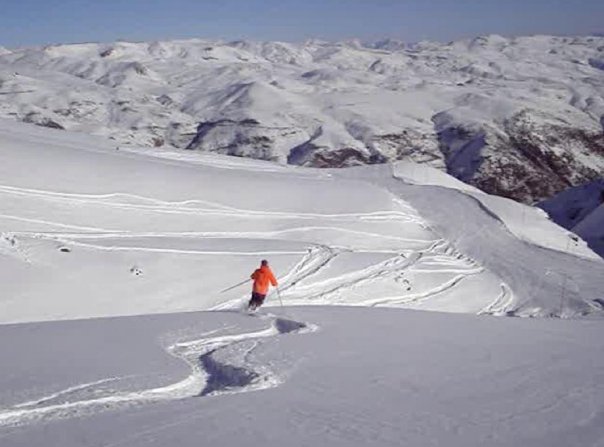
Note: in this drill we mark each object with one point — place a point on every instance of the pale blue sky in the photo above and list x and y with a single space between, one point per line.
38 22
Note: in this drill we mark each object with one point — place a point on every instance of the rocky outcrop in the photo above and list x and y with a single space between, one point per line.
39 120
524 159
243 138
408 144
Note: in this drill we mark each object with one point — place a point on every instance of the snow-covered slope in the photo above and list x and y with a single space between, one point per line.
519 117
316 376
88 230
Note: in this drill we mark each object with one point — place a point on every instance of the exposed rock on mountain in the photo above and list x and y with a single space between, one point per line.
519 117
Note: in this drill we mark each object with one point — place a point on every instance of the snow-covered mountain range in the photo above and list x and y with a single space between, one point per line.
519 117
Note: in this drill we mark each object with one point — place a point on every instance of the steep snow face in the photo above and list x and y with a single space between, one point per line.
87 230
570 207
519 117
580 210
591 229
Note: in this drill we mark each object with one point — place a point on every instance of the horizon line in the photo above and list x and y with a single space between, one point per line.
363 42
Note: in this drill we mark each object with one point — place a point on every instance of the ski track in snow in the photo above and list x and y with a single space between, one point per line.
406 251
319 256
502 303
208 377
190 207
223 364
327 291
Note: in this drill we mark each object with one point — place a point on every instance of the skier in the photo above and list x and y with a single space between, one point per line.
262 277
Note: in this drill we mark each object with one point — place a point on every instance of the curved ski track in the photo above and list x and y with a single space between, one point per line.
222 364
209 376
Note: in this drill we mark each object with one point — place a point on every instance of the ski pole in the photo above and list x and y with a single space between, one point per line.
232 287
279 295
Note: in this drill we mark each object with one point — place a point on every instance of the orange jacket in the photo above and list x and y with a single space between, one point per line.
262 277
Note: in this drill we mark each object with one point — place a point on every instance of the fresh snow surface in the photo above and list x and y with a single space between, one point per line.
138 237
303 376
